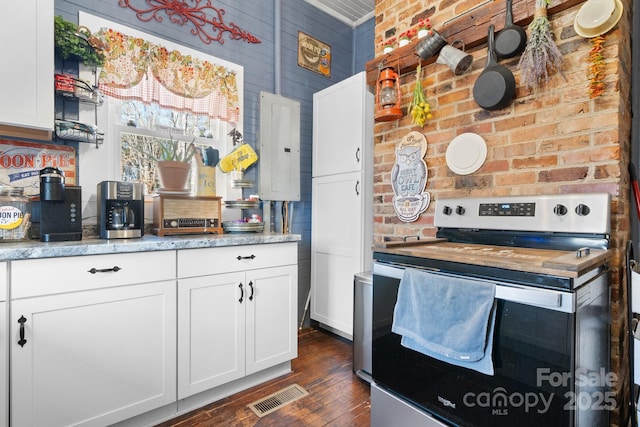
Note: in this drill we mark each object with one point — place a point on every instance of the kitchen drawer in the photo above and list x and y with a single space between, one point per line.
200 262
56 275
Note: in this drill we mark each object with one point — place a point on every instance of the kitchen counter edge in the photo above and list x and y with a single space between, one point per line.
35 249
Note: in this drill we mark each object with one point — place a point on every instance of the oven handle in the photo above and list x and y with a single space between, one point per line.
545 298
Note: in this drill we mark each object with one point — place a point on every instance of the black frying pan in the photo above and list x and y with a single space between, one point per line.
495 87
512 40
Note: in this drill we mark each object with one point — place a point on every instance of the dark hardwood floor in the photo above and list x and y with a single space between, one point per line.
336 397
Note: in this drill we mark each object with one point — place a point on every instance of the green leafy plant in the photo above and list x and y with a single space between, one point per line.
73 42
163 149
179 151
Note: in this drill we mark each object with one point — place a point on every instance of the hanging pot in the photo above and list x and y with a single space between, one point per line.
495 87
457 60
430 45
512 40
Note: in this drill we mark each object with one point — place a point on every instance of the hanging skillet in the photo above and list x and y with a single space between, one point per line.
495 87
512 40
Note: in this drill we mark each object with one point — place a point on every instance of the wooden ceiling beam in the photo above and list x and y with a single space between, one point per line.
470 27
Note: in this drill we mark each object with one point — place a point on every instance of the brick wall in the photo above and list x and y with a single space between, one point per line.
551 140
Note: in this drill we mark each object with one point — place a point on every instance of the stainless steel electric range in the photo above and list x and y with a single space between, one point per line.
546 258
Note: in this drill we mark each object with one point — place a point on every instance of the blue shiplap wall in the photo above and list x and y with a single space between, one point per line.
351 48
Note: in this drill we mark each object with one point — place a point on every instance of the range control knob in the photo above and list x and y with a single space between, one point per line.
560 210
446 210
582 210
459 210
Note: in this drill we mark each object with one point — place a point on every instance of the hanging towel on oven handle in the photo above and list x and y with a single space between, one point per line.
448 318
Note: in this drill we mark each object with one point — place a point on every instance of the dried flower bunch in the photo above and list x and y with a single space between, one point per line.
596 70
420 109
541 56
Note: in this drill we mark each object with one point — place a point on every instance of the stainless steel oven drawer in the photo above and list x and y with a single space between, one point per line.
389 410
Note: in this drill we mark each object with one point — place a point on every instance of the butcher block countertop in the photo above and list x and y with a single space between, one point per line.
33 249
542 261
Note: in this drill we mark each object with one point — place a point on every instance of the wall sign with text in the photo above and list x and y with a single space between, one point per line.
314 55
409 177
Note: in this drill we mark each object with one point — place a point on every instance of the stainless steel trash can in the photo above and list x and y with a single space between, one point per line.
362 324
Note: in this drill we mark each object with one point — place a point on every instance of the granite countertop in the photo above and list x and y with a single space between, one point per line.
33 249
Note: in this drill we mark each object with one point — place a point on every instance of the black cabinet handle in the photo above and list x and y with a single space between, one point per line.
358 188
241 293
104 270
251 296
358 155
22 321
240 257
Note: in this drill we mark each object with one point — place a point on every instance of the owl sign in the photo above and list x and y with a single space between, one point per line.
409 177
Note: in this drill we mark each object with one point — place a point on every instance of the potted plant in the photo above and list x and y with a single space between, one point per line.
406 36
388 45
72 41
173 158
424 26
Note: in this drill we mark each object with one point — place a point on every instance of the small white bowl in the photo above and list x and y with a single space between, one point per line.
603 28
595 13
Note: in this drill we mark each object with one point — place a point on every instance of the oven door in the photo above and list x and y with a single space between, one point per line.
534 356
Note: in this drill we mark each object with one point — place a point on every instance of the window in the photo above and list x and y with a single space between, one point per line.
134 121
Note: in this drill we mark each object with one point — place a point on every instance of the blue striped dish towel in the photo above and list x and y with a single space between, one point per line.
448 318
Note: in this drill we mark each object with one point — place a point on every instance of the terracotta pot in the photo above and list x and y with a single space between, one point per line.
173 175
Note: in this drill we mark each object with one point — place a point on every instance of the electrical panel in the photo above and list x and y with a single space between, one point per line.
279 155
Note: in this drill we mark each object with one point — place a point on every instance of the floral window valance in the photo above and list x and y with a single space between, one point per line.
138 69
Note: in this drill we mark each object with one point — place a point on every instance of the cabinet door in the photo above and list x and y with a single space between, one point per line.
337 217
26 83
211 331
93 358
336 248
4 366
271 317
342 119
4 348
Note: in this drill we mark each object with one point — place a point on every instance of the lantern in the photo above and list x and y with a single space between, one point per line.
388 95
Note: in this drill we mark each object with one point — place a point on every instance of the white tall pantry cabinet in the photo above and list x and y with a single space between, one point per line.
342 199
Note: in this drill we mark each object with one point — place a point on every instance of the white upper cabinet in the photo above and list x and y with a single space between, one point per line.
26 75
342 125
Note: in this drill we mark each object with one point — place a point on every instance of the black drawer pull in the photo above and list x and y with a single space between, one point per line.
240 257
22 321
104 270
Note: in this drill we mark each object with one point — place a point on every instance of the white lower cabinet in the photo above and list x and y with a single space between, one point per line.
4 348
87 354
126 338
237 316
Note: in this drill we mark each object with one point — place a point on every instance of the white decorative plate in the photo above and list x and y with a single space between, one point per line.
466 153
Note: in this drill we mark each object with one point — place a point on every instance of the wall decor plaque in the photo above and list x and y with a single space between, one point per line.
20 163
409 177
314 55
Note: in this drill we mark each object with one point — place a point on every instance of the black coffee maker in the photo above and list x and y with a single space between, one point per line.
60 208
120 209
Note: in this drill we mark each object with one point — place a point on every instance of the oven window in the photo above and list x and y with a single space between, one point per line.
531 346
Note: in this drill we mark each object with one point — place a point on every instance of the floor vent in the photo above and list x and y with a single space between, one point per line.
277 400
